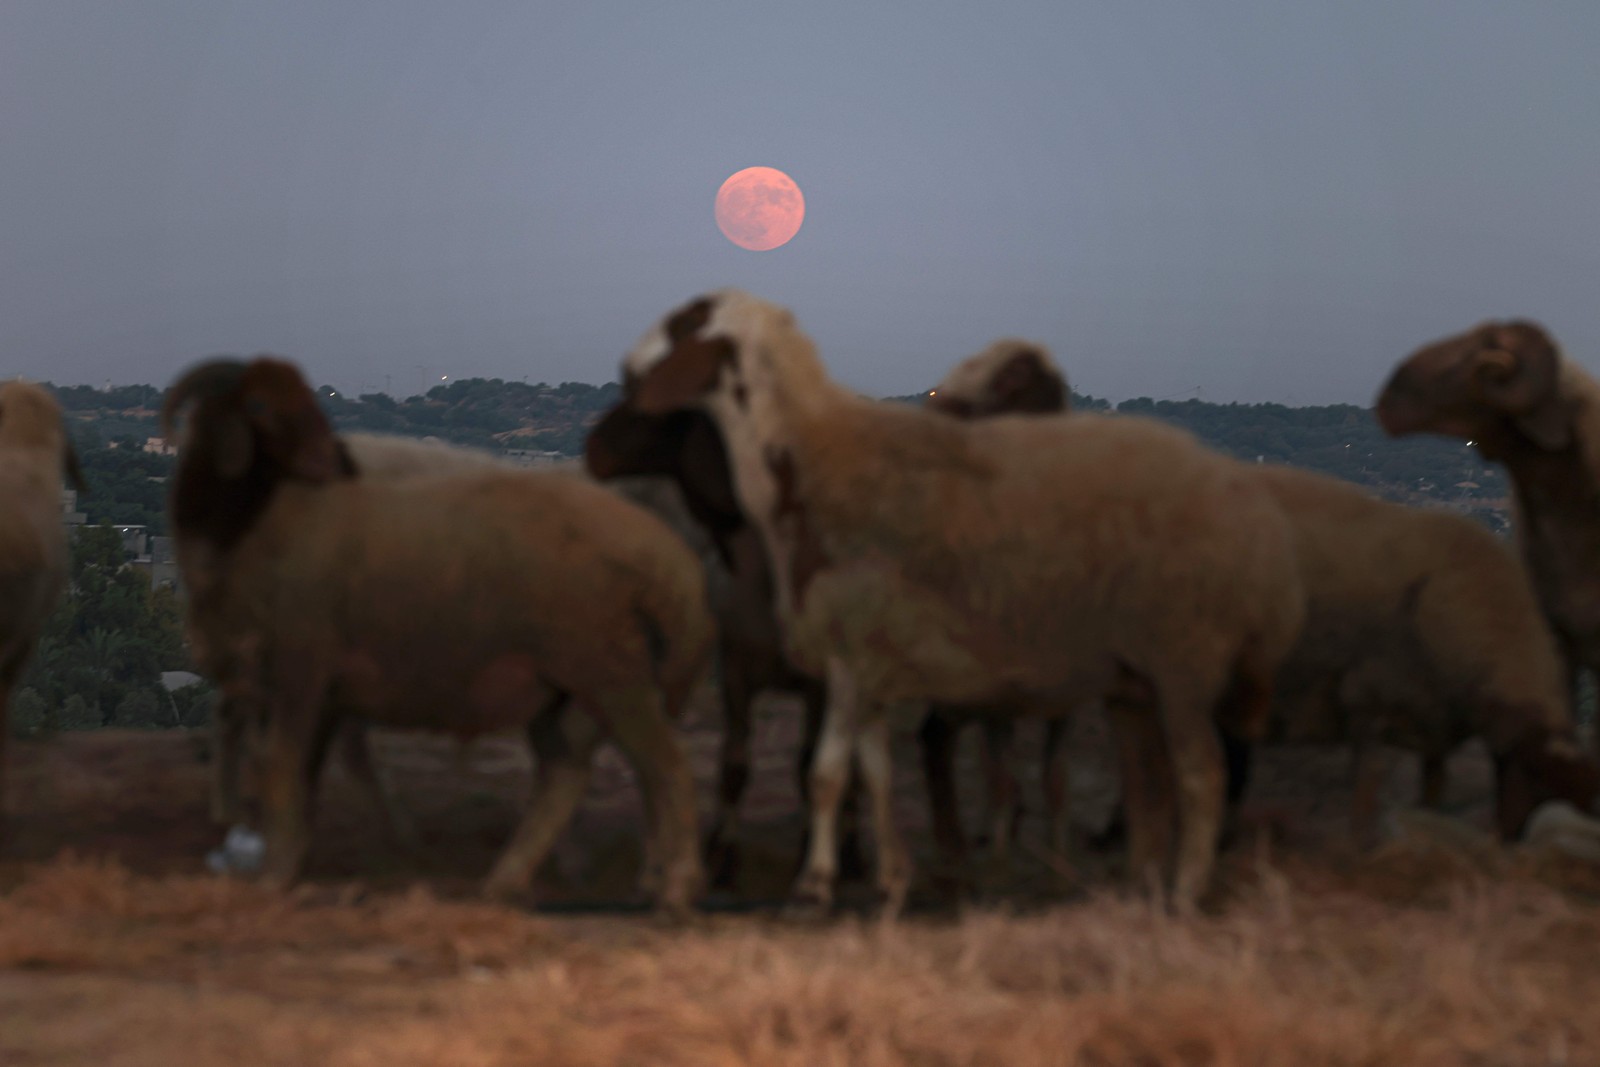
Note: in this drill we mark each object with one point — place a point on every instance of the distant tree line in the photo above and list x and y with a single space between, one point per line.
103 652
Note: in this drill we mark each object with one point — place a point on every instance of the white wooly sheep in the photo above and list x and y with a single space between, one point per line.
922 558
1506 388
467 603
34 454
1421 631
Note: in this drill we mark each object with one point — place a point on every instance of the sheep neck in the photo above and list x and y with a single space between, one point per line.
766 413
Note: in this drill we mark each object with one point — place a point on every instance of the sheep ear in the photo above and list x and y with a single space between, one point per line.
1025 383
71 467
1518 372
233 447
684 375
283 419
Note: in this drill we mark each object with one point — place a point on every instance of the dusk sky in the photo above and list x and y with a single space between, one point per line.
1258 201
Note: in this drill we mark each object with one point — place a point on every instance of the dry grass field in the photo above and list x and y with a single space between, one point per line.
118 948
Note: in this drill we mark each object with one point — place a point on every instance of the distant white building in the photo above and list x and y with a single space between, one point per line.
70 515
529 457
175 680
135 541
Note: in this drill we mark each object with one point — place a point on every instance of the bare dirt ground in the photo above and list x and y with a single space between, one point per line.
118 948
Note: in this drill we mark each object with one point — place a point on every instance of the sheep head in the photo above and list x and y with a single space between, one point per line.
260 412
1008 377
250 426
1494 383
744 363
31 418
626 443
713 352
682 445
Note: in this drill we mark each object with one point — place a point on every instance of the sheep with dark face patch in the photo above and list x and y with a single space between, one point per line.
1421 631
923 558
35 453
386 456
234 715
467 603
686 447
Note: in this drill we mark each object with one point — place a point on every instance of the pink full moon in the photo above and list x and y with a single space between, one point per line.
760 208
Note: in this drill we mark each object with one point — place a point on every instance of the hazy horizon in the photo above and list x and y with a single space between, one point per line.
1249 202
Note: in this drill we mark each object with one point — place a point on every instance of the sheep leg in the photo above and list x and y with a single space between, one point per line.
10 674
642 729
1370 767
298 732
938 743
877 769
722 850
237 728
851 862
5 729
1198 766
1056 779
1433 781
1148 802
356 752
564 740
1004 809
830 776
227 742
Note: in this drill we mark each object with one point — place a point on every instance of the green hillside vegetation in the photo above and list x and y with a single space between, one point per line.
127 485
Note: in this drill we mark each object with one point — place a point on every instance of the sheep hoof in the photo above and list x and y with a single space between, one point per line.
811 899
680 890
242 851
675 916
510 892
276 880
887 906
722 859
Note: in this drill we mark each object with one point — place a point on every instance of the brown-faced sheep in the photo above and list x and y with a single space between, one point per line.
387 456
686 447
922 558
35 453
236 713
1421 630
1506 389
1010 376
466 604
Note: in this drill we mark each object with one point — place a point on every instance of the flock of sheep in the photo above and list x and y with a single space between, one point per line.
988 556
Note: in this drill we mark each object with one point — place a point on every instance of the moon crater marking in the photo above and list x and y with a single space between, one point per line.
760 208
